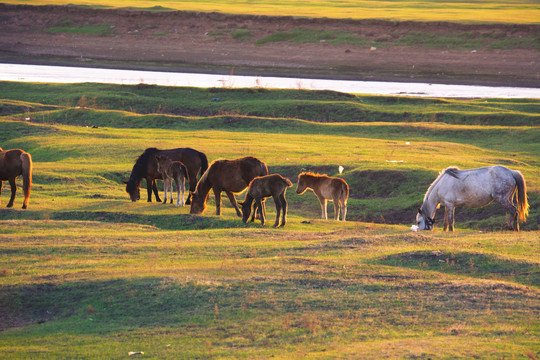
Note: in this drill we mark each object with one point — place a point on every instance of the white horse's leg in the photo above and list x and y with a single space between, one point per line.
445 219
449 210
343 210
512 222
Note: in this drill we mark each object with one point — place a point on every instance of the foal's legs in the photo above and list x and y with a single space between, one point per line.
259 206
171 190
343 206
165 188
181 189
284 208
177 182
13 185
323 202
279 206
337 206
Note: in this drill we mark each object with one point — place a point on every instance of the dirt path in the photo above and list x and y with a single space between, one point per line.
205 42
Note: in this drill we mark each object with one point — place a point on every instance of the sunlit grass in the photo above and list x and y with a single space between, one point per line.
86 273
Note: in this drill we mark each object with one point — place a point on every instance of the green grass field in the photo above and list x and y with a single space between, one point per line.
86 273
478 11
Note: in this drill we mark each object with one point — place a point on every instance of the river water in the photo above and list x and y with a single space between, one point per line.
63 74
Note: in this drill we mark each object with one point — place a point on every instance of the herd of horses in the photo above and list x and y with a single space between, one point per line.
452 188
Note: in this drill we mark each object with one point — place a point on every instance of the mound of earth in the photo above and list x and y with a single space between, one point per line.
213 42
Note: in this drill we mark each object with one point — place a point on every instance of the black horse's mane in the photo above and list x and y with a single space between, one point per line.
139 169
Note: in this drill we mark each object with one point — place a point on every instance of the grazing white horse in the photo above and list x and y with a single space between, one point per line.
475 188
172 170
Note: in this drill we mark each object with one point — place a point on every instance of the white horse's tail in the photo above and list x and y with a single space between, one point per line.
521 196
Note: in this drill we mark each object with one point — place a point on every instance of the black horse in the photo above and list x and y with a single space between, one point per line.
146 167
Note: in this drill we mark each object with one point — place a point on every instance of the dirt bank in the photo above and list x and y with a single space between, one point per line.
211 42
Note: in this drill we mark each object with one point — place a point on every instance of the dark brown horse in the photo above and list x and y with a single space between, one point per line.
261 188
14 163
231 176
146 167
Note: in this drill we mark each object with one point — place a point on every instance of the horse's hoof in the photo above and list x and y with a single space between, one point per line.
24 206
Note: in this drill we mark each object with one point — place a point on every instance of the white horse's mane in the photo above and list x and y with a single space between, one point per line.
452 171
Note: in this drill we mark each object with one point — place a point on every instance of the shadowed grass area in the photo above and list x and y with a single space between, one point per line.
470 264
108 289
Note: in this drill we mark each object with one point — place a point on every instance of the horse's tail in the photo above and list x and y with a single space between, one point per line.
344 191
204 163
26 160
287 182
521 195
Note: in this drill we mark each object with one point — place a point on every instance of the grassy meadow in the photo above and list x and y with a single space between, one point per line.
478 11
86 273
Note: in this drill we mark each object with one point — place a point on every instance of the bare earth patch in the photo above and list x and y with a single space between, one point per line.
211 42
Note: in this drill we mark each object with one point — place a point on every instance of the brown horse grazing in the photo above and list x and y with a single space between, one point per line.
231 176
146 167
14 163
261 188
326 188
172 170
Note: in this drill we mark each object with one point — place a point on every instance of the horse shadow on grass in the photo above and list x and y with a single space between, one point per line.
476 265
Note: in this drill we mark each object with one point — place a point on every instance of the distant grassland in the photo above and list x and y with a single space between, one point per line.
522 12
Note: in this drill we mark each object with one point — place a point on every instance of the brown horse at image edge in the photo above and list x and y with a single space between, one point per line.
14 163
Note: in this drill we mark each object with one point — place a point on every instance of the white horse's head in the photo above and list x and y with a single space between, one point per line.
423 221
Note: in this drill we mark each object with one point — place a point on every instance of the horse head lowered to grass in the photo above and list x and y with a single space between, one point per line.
231 176
14 163
146 167
261 188
474 188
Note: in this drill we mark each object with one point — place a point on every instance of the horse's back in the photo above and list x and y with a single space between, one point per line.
476 187
11 163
